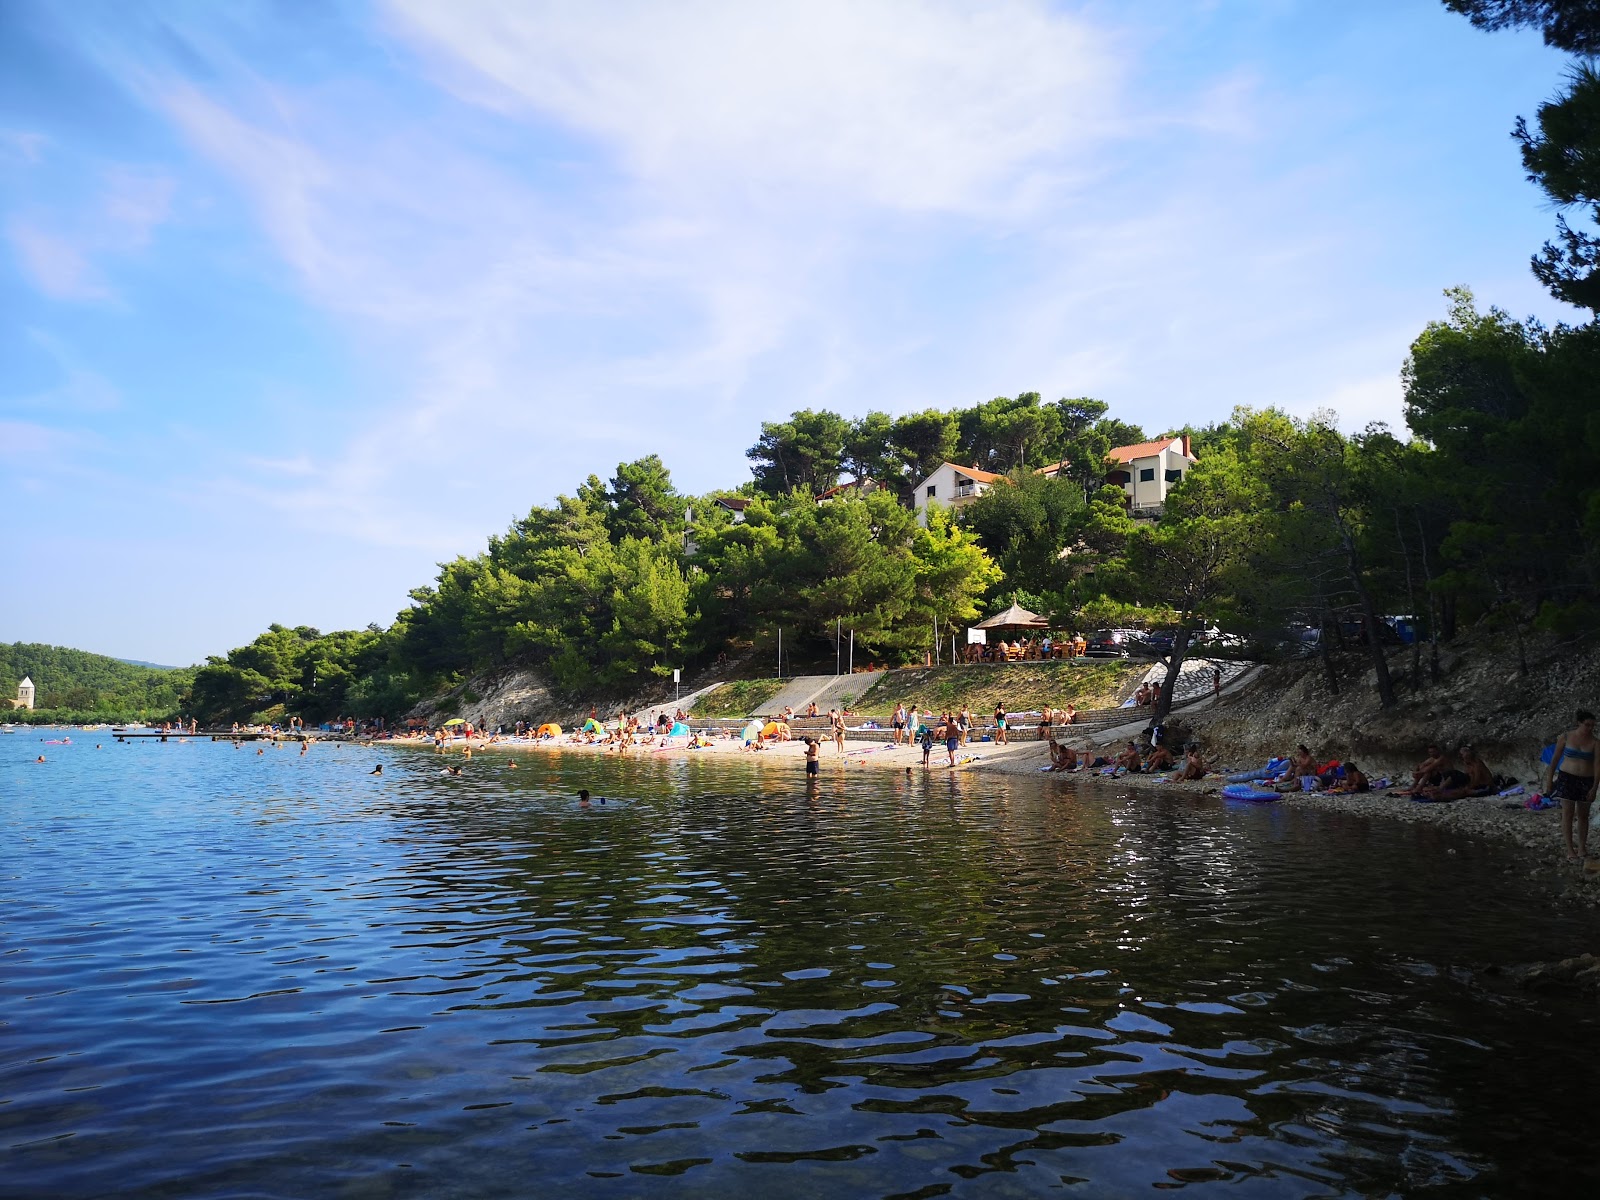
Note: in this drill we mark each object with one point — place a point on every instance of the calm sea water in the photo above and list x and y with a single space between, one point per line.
232 974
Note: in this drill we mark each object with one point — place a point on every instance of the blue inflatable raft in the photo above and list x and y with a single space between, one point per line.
1243 791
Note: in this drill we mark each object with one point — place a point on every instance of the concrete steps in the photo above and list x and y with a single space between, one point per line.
824 689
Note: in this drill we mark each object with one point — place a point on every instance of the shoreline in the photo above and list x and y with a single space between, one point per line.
1534 836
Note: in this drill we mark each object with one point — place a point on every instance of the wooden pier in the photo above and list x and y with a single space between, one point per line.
224 735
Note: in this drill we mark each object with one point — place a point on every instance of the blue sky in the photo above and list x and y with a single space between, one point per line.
302 299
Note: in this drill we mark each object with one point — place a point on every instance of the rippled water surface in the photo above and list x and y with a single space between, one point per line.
231 973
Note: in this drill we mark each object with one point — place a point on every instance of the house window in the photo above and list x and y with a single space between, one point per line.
1174 476
1119 477
1147 474
931 492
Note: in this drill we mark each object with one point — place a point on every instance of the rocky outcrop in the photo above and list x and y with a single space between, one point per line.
1481 697
492 699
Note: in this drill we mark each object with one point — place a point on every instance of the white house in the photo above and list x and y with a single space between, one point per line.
1148 470
951 486
24 694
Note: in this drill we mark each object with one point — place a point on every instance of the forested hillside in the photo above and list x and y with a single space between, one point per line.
73 684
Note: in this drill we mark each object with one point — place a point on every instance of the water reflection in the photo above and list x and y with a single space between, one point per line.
234 972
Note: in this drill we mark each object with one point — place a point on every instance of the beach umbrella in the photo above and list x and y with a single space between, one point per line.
593 726
679 730
549 729
1015 617
455 721
752 731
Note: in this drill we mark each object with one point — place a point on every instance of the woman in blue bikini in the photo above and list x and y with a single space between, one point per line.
1571 780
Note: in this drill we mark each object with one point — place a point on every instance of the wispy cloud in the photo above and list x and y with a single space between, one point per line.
59 266
911 105
22 145
63 251
78 390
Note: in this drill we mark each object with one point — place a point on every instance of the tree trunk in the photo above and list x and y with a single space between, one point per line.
1326 654
1433 606
1180 650
1369 616
1411 604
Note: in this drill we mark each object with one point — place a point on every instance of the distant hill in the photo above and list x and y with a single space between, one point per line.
76 681
139 662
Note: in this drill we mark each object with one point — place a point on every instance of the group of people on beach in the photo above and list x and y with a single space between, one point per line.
1155 759
906 725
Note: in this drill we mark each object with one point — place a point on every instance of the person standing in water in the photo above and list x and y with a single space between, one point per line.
1570 778
836 722
813 762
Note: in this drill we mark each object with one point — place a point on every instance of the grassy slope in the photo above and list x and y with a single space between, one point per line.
737 699
1019 686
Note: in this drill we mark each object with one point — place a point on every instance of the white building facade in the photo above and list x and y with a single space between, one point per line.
952 487
1147 471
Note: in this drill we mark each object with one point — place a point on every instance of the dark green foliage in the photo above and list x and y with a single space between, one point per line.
1566 24
88 684
312 675
802 453
1563 156
1027 525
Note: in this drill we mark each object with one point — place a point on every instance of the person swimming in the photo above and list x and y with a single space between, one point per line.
377 770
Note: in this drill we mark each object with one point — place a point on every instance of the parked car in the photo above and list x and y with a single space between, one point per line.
1157 641
1108 643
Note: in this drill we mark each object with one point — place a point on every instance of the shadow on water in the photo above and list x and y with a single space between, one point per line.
271 974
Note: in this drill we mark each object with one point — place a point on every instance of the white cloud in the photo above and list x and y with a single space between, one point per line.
910 105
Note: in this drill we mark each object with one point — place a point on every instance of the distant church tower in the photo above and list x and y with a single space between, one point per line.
24 693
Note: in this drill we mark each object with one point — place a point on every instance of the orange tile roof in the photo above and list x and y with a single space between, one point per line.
975 473
1124 454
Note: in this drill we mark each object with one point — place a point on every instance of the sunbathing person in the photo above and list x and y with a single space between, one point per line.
1062 758
1129 758
1194 763
1431 771
1471 778
1160 760
1353 782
